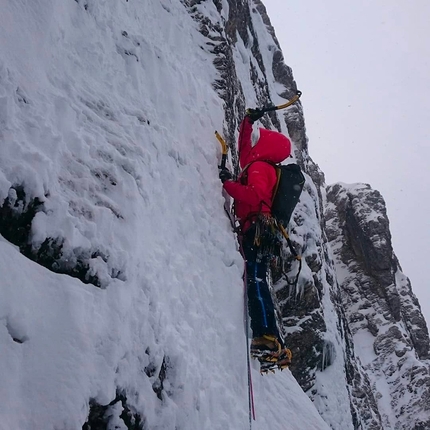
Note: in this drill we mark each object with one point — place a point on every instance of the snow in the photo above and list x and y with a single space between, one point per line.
107 116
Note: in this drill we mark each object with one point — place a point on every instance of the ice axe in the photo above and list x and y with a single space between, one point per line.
273 108
224 150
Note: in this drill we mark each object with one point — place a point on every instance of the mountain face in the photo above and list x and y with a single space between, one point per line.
389 333
120 276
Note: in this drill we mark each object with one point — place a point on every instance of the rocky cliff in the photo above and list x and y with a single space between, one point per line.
389 332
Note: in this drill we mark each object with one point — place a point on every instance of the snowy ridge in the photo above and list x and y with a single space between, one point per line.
107 117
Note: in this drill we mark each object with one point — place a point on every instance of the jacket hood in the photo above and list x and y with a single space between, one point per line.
272 146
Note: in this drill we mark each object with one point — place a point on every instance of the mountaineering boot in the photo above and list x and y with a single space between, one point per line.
270 353
266 345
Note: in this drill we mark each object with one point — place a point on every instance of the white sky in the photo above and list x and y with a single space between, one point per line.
364 69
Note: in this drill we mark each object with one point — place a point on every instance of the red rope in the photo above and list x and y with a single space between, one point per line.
251 405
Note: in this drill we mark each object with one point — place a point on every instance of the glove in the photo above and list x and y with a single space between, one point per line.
254 114
225 175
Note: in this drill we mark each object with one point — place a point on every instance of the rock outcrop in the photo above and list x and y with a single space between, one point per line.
389 331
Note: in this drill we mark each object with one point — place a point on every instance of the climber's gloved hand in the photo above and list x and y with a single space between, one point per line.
225 175
254 114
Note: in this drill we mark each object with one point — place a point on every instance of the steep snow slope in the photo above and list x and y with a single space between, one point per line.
107 115
64 342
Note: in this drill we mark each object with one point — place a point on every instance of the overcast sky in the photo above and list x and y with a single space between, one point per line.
364 69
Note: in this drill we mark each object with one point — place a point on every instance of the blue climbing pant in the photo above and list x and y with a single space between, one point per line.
260 303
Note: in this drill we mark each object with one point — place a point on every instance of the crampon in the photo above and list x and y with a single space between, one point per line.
270 354
272 362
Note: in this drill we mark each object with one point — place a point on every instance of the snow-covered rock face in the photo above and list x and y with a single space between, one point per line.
108 178
390 334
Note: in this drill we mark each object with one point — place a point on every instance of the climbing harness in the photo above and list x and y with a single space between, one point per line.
265 236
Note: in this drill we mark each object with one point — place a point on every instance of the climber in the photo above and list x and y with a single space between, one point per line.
252 194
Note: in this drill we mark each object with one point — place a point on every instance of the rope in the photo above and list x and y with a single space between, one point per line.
251 406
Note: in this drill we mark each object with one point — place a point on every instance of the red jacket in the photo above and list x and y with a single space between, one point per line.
253 191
